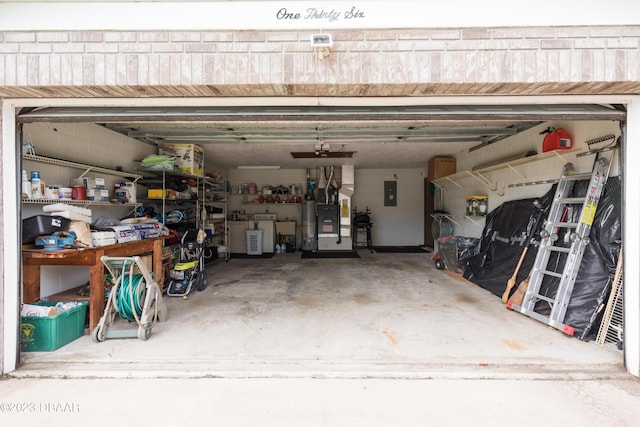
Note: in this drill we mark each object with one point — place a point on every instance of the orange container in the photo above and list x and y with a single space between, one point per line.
557 139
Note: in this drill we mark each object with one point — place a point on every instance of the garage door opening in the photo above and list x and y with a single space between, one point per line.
379 313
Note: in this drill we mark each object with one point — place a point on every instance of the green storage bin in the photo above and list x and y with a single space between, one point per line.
49 333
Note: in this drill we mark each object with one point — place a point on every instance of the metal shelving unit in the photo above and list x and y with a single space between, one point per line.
210 193
214 194
87 168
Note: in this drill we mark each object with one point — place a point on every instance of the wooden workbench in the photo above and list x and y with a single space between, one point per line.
33 259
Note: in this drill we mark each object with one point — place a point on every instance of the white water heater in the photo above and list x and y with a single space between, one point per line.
309 236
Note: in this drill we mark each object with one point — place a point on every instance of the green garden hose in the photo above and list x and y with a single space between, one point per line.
131 295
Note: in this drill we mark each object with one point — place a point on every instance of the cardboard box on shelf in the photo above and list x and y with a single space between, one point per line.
189 157
98 195
441 166
100 184
90 183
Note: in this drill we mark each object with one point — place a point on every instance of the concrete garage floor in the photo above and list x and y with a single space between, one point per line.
379 316
384 340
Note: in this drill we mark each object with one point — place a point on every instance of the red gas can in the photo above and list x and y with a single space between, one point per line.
556 139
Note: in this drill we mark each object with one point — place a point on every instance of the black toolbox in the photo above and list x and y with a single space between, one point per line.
42 225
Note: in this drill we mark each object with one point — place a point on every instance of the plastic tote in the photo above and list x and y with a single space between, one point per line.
49 333
254 242
455 250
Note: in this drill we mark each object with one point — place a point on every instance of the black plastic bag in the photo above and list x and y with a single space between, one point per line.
502 242
500 251
597 269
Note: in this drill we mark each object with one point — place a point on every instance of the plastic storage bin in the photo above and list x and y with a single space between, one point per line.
254 242
42 225
455 251
49 333
477 205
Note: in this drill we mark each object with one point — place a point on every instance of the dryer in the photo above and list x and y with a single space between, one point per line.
267 223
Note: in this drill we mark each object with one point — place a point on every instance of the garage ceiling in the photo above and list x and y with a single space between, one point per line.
381 137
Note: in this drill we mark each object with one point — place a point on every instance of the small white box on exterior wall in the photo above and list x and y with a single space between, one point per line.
321 40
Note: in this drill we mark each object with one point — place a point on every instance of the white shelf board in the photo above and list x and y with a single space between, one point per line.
87 168
77 202
512 163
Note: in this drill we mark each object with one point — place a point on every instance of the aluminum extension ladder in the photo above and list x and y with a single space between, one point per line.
579 240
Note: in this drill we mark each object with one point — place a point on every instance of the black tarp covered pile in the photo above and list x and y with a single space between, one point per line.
503 239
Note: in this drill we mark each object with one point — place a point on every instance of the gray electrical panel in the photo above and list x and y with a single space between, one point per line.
390 193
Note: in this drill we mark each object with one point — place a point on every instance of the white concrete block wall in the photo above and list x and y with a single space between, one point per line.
546 169
401 225
87 144
262 178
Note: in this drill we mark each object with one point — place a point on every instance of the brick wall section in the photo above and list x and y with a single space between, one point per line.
361 63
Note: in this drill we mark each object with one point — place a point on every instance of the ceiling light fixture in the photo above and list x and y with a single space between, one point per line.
323 155
258 167
322 151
